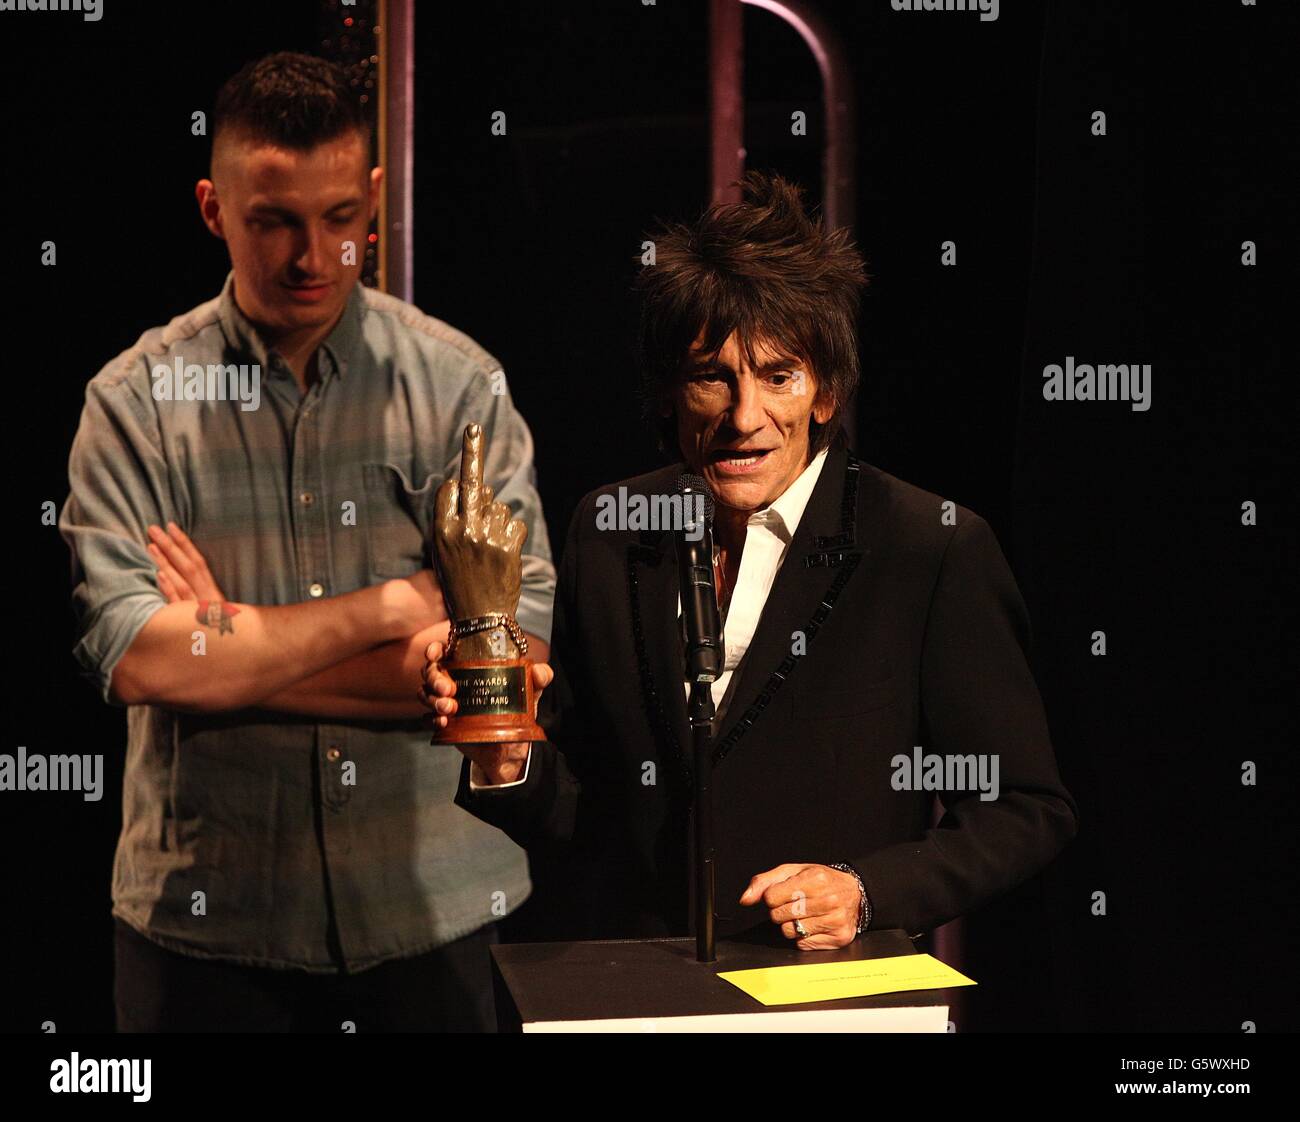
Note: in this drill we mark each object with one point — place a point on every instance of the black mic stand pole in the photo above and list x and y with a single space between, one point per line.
701 714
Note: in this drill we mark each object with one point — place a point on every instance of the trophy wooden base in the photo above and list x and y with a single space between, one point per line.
496 703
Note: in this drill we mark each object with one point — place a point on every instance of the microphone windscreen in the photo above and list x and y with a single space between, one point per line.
689 483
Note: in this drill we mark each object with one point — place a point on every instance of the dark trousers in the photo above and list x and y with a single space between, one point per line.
444 990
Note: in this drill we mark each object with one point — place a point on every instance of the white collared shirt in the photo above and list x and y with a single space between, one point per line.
768 534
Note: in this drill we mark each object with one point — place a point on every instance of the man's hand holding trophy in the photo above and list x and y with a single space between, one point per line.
482 690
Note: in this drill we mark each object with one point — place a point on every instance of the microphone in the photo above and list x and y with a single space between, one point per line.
704 651
704 661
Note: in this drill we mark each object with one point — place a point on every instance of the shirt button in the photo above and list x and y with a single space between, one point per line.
316 589
333 754
307 498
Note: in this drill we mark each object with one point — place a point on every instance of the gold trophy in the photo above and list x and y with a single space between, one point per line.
477 550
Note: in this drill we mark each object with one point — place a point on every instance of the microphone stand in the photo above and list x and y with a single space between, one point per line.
701 714
704 657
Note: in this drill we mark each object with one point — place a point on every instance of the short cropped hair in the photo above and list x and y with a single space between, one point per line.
765 269
290 100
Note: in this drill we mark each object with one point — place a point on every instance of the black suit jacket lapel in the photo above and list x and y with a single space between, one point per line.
819 562
652 597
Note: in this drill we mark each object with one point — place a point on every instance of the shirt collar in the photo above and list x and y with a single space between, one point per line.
782 515
243 335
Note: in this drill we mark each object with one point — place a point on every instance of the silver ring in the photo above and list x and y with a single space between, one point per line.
800 929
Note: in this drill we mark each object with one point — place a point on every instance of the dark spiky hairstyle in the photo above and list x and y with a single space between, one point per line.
291 100
765 269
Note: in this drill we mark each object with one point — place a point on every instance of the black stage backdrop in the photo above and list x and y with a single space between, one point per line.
1118 248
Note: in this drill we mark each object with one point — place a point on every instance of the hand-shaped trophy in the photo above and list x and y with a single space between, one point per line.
477 549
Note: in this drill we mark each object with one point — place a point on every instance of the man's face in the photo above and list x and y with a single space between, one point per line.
745 430
285 217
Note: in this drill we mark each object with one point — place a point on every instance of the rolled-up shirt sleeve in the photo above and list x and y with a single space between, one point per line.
118 484
510 472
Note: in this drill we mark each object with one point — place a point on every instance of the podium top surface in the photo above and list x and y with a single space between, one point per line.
652 978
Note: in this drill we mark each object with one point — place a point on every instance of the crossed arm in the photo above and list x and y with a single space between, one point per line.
356 656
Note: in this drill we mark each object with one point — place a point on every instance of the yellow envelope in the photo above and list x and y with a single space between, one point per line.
826 981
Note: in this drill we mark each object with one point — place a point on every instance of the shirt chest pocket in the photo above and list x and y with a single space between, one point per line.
397 520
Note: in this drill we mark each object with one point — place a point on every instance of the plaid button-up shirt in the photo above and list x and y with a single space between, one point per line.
300 860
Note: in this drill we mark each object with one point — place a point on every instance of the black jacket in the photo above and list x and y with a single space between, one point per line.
915 634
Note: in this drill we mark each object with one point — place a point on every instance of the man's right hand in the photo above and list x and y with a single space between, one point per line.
414 603
499 763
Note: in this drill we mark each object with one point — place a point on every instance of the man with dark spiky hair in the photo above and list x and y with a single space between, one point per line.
251 505
863 617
